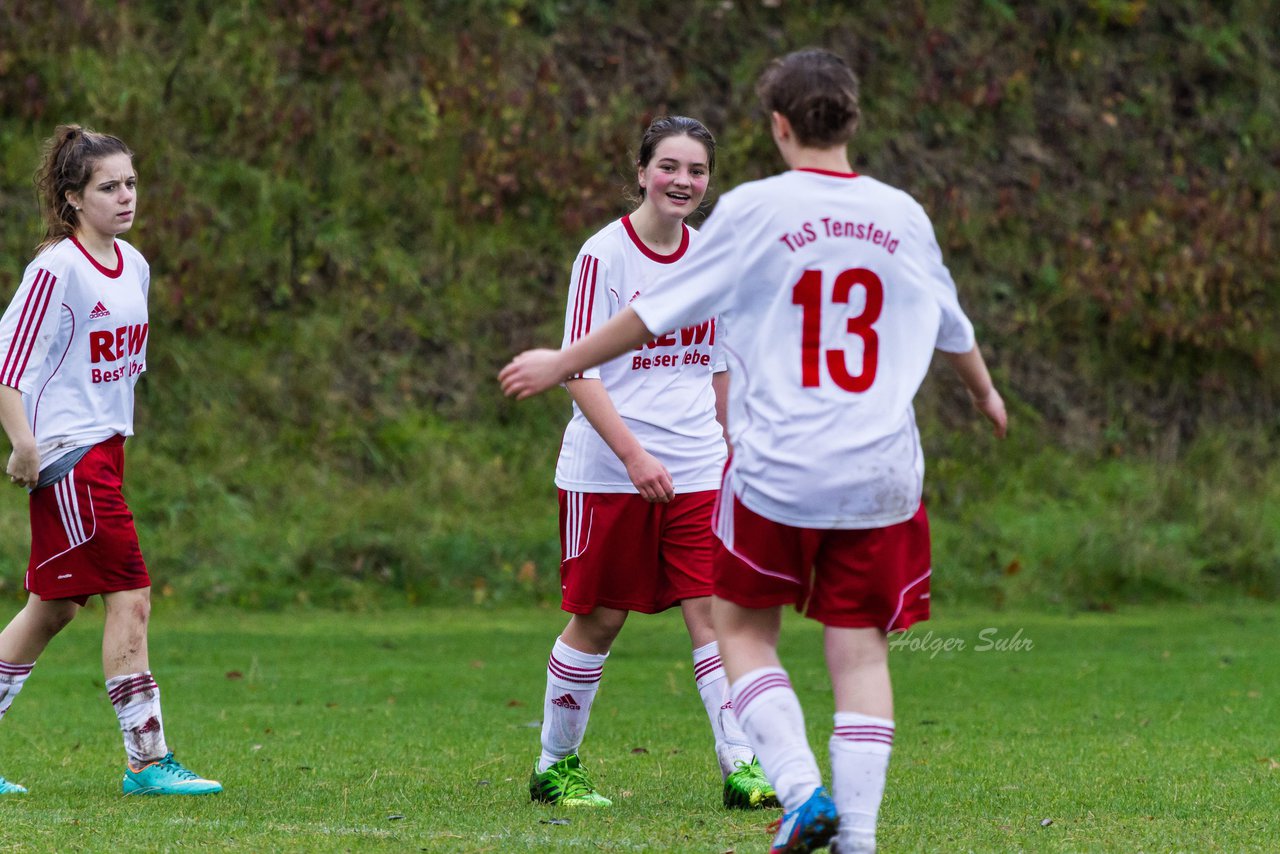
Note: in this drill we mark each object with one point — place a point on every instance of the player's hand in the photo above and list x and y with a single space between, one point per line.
991 405
530 373
650 477
24 467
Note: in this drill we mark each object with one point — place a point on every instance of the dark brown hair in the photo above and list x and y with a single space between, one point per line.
664 127
817 91
69 158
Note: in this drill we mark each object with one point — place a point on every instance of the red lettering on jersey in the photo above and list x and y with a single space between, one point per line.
100 347
695 334
137 338
667 340
112 346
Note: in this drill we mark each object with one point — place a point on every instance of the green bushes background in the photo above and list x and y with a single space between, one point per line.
356 211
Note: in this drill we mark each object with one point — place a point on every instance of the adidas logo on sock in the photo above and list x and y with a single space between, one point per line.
566 701
99 310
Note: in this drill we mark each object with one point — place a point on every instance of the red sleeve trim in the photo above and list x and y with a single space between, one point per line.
585 298
29 322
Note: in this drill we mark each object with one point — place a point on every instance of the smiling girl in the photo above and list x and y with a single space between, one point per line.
638 473
72 345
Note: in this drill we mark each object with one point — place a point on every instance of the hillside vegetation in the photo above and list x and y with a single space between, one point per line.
355 212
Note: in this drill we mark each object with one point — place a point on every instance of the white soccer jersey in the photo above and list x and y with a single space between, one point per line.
662 390
835 295
74 341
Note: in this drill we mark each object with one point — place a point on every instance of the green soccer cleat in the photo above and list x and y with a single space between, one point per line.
7 788
747 788
166 777
566 784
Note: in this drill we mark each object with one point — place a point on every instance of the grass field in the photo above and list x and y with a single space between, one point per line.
1144 730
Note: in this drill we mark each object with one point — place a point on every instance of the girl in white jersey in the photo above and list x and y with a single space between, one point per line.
72 345
835 296
639 470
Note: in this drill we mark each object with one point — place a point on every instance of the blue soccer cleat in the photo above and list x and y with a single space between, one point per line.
166 777
808 827
8 788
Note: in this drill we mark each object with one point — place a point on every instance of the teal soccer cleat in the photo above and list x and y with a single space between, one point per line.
8 788
166 777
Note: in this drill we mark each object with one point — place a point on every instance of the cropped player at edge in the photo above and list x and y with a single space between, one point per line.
638 475
834 296
72 345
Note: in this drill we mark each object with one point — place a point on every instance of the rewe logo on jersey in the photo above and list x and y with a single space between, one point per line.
566 701
99 311
689 336
108 346
114 346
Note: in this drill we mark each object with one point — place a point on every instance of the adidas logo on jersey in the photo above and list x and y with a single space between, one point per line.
99 310
566 701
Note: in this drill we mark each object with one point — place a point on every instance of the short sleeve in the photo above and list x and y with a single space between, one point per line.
590 303
28 327
144 276
955 331
719 362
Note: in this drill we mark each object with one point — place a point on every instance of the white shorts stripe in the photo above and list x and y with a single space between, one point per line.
574 542
83 538
69 508
902 598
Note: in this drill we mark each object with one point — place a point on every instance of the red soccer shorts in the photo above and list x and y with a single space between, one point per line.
620 551
82 537
875 577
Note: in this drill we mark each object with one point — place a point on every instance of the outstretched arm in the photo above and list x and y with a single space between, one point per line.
535 371
977 379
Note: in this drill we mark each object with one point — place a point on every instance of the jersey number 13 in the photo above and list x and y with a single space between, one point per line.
807 293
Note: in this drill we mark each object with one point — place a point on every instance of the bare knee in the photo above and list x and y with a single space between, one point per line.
49 618
140 609
594 632
697 619
131 606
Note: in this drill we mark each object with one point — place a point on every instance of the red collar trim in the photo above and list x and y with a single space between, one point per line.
829 173
649 253
110 274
